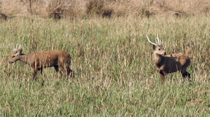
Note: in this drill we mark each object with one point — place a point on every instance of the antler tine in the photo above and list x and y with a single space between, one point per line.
19 46
159 41
150 41
156 41
16 48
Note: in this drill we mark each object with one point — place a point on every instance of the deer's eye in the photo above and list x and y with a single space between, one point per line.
13 56
159 49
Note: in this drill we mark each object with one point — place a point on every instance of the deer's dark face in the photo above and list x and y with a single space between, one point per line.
159 50
15 56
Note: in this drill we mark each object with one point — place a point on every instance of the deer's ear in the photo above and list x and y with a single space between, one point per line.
20 51
154 46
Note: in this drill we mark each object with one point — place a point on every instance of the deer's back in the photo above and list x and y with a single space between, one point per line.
180 57
52 58
176 62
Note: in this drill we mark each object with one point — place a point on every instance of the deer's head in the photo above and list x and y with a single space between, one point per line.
16 54
158 48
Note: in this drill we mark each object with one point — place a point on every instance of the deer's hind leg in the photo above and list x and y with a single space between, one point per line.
184 71
35 73
68 70
185 74
65 65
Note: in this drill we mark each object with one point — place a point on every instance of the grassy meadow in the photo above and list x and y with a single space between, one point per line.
113 65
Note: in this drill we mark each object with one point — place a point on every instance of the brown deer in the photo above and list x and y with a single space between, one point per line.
169 63
40 60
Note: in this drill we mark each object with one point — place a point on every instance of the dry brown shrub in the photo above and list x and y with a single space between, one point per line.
76 9
3 16
14 8
180 8
99 8
105 8
94 7
65 9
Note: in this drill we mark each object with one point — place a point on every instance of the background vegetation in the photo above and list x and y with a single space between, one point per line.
112 60
71 9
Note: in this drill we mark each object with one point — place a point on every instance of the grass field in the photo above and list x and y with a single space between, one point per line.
114 70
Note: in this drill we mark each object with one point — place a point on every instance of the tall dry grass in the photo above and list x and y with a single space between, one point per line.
84 8
112 59
114 70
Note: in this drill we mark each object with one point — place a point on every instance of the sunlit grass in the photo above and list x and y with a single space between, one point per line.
114 71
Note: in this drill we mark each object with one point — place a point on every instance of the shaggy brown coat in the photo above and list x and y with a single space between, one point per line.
169 63
40 60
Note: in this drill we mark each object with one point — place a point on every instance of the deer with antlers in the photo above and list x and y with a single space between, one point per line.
169 63
54 58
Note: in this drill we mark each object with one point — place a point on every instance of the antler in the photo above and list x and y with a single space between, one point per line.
151 42
16 47
157 41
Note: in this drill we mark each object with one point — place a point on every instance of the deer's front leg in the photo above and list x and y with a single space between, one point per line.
162 72
35 73
34 66
41 70
162 75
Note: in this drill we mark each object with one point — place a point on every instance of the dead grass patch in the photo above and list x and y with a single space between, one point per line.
106 8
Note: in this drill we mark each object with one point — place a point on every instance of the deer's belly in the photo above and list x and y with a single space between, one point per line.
47 64
172 68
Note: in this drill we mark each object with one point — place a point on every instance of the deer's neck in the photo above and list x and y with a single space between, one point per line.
26 58
158 60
